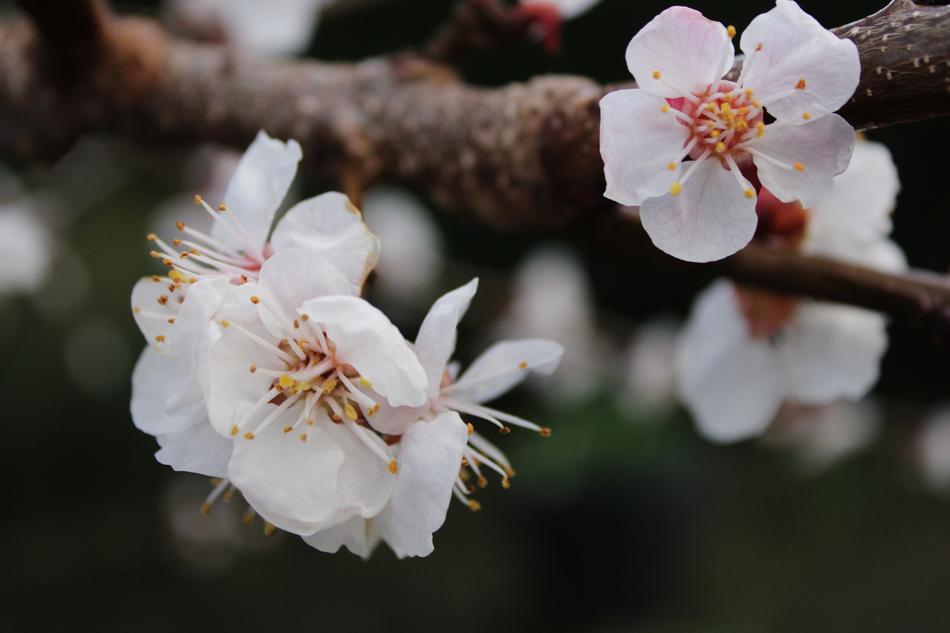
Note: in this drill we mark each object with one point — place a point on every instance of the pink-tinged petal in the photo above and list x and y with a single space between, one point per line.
860 203
638 141
800 67
355 535
329 225
197 449
710 219
688 52
291 277
821 148
365 339
504 365
155 305
729 381
364 481
829 352
435 342
290 482
430 455
163 400
395 420
257 188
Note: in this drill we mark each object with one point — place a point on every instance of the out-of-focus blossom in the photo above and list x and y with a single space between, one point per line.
820 437
97 357
704 209
547 18
744 351
551 299
651 367
271 27
933 450
27 249
412 259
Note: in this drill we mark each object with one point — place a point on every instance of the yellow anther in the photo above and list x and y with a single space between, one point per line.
720 147
748 92
160 338
176 276
350 411
505 430
471 428
180 225
726 108
205 508
760 129
523 364
506 483
749 193
228 495
714 134
731 31
758 47
310 421
304 317
545 432
665 108
330 385
510 471
474 506
151 237
222 207
806 115
288 429
198 199
757 103
252 368
171 321
365 383
248 517
235 430
671 166
156 278
225 323
136 309
162 300
249 436
302 437
255 299
286 381
656 74
296 324
799 167
482 482
676 188
270 529
710 106
393 466
373 410
800 85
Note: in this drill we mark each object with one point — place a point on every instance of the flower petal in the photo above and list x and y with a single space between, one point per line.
688 50
797 51
257 188
364 481
504 365
365 339
728 381
637 143
289 482
823 147
195 328
710 219
197 449
860 203
329 225
163 401
155 300
291 277
355 534
435 342
830 351
430 455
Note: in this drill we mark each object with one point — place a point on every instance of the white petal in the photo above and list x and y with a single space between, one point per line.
395 420
27 249
155 300
796 47
430 455
355 534
710 219
289 482
197 449
689 51
158 386
435 342
329 225
291 277
365 339
637 142
364 482
829 352
730 382
860 203
822 146
569 9
257 187
504 365
195 327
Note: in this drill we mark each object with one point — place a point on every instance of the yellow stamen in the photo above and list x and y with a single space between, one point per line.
671 166
545 432
235 429
474 506
731 31
656 74
676 188
749 193
393 466
350 411
198 199
806 115
799 167
665 108
720 147
800 85
249 436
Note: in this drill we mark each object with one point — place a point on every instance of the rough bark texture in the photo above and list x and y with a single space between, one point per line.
524 156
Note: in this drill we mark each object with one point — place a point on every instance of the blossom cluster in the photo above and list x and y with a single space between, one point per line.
266 369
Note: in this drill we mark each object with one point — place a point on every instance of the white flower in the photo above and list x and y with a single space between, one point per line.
434 441
744 352
300 365
704 209
651 369
552 281
412 259
274 27
933 450
566 9
27 248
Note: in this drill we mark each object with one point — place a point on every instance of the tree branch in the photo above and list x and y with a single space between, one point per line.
522 156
